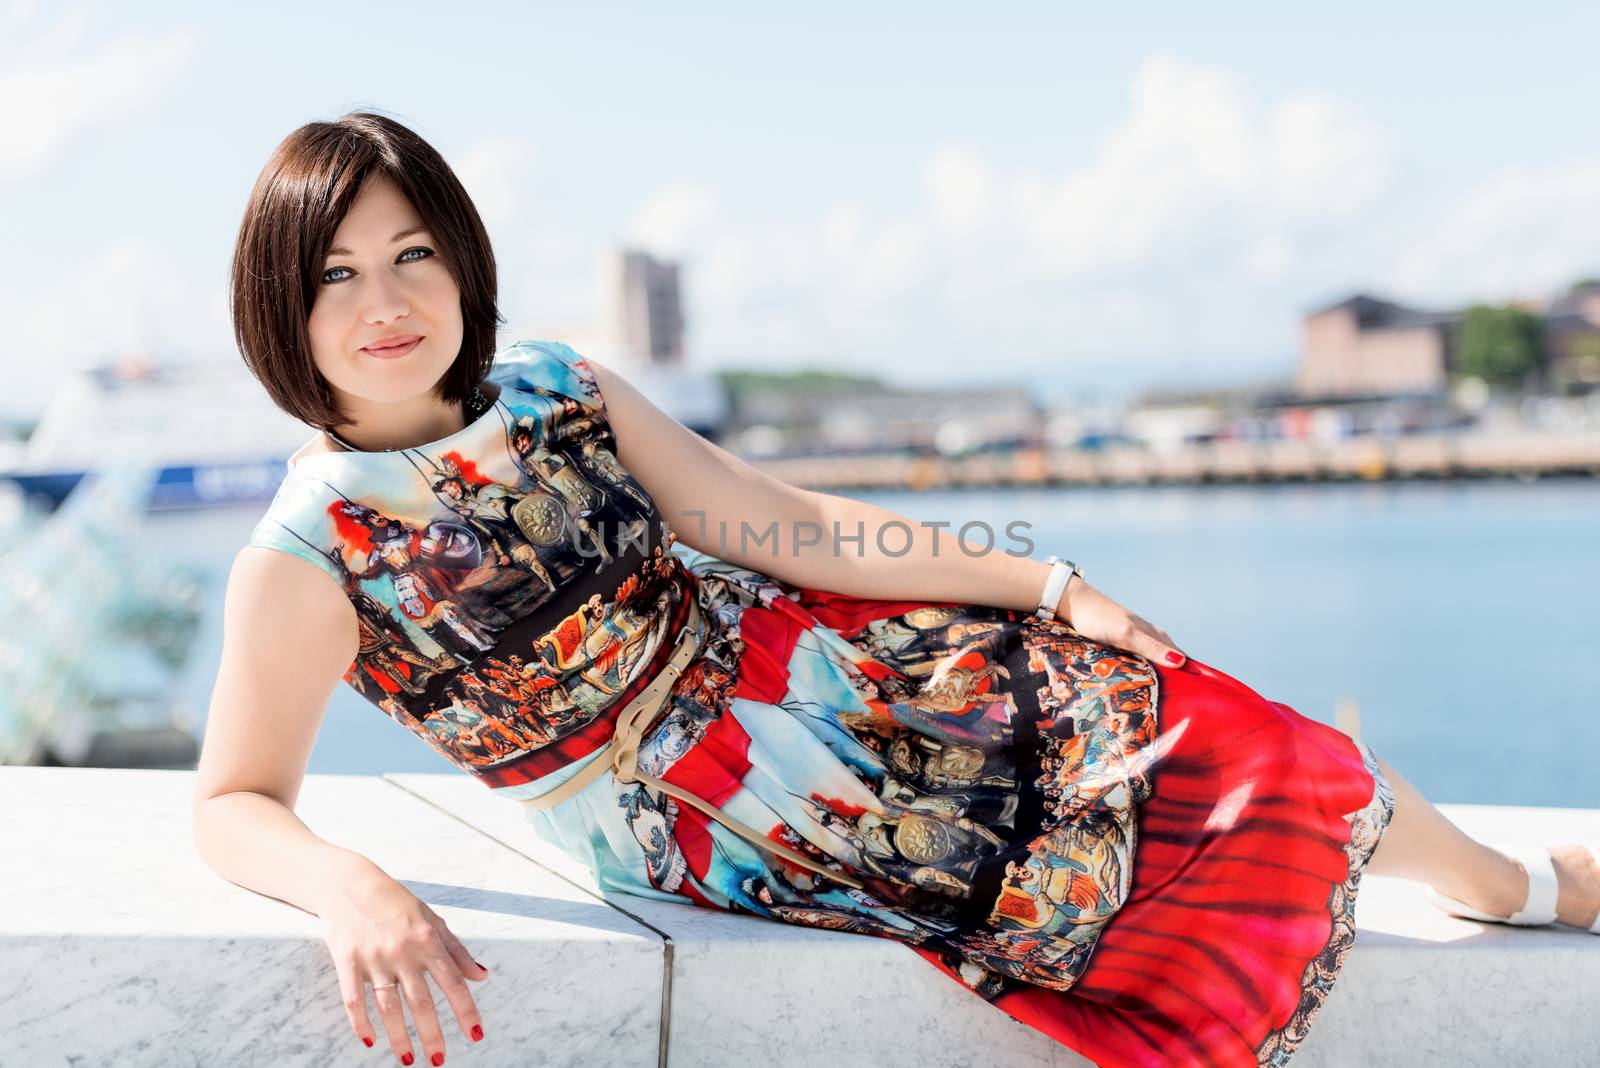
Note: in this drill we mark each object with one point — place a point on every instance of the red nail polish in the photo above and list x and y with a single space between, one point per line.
407 1058
1174 658
481 965
367 1040
477 1032
438 1059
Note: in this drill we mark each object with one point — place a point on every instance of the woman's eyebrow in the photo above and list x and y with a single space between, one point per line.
392 240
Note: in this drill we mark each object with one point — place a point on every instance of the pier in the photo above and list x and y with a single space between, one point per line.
1433 456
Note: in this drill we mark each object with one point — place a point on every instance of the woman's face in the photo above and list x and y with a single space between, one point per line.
374 286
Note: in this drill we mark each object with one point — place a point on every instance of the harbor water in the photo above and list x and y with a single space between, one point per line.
1461 617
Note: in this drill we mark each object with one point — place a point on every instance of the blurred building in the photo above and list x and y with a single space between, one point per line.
1572 338
1367 346
790 418
648 307
639 333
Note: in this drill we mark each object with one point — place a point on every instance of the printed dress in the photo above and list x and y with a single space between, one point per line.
1152 865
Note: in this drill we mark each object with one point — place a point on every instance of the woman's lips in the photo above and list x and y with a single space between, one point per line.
394 351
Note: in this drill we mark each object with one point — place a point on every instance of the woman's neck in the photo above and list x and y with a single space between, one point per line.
394 426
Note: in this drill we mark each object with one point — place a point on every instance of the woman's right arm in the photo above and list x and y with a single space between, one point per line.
289 635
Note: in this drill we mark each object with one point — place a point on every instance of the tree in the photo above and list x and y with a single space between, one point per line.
1501 345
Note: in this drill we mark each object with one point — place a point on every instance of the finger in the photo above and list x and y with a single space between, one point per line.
353 990
388 1000
453 985
424 1017
1146 644
470 968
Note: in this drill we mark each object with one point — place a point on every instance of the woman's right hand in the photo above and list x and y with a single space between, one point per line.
1094 615
379 932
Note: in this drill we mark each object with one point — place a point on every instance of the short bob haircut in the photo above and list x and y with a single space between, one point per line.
299 199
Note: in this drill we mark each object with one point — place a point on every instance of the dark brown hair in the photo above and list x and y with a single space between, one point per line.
299 199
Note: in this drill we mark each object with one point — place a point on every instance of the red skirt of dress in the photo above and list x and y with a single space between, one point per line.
1248 851
1244 881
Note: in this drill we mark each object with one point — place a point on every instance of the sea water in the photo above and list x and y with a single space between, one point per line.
1460 617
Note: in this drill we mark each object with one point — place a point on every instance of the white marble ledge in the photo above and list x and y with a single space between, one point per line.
1425 988
747 990
1419 988
120 946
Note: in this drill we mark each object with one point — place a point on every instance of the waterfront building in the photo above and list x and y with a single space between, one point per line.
1367 346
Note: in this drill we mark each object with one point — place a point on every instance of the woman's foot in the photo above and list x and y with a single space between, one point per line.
1501 887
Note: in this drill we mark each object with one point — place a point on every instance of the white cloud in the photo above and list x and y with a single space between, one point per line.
841 229
130 296
1181 234
51 92
960 189
496 174
1192 161
674 220
892 260
1269 254
1184 144
1319 159
727 272
1523 232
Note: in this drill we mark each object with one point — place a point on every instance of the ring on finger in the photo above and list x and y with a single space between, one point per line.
386 986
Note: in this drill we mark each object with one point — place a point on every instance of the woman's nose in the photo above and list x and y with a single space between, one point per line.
383 301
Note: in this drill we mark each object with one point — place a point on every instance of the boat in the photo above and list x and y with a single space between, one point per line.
208 431
213 436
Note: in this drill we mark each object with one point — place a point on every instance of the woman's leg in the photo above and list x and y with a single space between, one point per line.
1421 844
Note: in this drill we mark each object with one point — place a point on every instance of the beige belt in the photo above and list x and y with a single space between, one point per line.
623 749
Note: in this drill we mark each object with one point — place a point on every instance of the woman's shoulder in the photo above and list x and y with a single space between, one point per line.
297 522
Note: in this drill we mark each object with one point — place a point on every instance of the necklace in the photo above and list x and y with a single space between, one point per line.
476 405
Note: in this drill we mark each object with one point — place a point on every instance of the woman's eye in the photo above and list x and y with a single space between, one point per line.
401 258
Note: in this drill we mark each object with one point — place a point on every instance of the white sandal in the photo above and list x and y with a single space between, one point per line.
1540 907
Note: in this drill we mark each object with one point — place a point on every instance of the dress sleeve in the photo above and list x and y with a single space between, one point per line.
552 367
293 531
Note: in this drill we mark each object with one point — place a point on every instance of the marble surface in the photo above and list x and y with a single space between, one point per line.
1421 987
121 947
747 990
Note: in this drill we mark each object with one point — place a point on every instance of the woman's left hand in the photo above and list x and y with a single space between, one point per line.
1094 615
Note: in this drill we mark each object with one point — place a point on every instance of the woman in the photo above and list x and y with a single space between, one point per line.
881 731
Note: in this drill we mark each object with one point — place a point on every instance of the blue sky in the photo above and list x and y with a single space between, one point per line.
1086 199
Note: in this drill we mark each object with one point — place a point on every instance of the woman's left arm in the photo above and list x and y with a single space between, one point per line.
718 504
